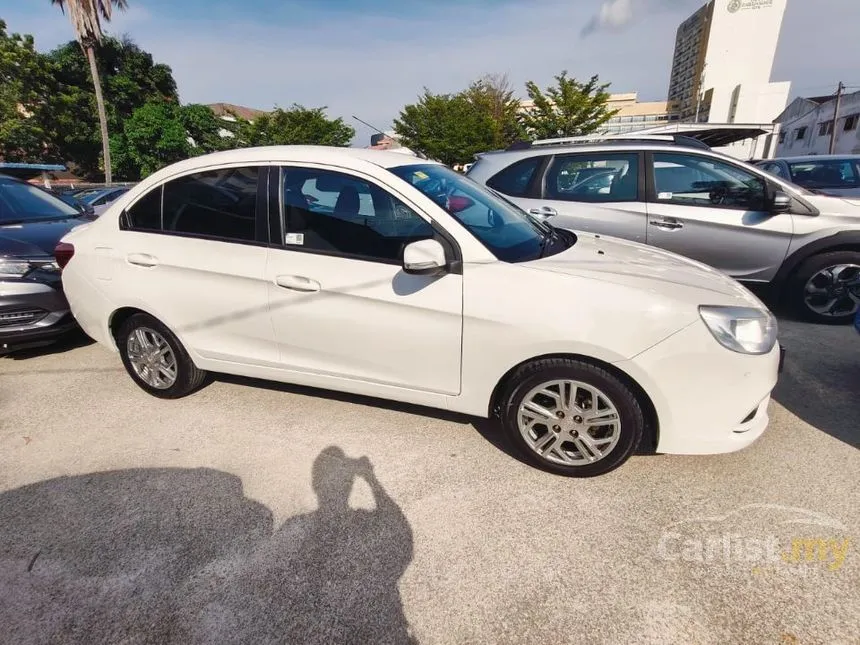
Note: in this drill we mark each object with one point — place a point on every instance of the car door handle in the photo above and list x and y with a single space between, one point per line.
297 283
544 211
142 259
669 224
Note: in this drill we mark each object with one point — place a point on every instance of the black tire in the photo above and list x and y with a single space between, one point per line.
188 376
533 374
797 288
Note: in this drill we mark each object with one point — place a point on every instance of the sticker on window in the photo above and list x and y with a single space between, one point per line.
664 196
294 238
421 175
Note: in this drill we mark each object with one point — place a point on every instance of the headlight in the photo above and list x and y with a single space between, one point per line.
14 268
741 329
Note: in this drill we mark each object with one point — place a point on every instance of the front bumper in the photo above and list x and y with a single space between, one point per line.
32 314
708 399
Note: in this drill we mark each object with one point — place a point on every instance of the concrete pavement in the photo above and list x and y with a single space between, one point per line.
244 514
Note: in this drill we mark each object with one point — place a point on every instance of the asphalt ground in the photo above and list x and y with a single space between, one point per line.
253 512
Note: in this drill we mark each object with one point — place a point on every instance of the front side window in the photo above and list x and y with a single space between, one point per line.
339 214
506 230
515 179
830 173
221 204
21 202
692 180
594 178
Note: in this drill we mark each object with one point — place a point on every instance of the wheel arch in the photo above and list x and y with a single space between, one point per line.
652 423
119 316
842 241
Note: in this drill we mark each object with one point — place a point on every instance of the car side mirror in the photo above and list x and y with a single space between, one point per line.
780 202
424 257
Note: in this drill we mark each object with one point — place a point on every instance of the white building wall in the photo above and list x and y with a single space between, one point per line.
814 143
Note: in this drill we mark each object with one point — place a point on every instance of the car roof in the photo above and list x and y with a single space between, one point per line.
808 158
314 154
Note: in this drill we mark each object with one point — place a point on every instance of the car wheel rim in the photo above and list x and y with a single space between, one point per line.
569 423
151 358
834 291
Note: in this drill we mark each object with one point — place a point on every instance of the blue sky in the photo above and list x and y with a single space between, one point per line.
370 57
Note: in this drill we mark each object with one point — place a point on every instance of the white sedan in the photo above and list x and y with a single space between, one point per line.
379 274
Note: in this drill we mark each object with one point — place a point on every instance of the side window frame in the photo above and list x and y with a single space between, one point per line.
278 228
261 227
651 181
544 193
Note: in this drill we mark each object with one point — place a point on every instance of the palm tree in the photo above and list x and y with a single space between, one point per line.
86 17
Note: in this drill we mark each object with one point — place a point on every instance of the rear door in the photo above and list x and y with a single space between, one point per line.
597 192
714 211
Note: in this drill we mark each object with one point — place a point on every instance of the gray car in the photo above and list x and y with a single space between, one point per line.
679 195
837 175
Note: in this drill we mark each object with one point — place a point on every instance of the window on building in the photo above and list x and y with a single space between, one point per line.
851 122
782 137
215 203
800 133
825 128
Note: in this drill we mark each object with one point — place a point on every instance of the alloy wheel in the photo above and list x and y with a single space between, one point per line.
151 358
834 291
569 423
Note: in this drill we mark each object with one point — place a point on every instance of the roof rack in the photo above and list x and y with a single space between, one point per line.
671 139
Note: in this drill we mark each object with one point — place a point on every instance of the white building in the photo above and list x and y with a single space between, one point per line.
806 126
722 65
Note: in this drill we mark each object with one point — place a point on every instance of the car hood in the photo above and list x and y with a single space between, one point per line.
835 205
36 239
644 267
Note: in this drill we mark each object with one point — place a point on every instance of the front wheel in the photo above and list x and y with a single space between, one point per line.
572 417
826 287
155 359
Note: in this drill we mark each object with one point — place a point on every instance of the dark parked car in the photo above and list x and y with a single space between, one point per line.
71 200
33 309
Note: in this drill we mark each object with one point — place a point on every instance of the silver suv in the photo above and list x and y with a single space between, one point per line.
675 193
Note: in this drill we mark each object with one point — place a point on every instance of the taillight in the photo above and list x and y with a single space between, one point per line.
63 252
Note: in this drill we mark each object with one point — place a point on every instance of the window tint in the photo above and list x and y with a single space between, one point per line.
145 213
831 173
217 203
594 178
514 180
343 215
702 181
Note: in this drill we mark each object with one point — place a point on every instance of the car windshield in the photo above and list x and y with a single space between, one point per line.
507 231
21 202
830 173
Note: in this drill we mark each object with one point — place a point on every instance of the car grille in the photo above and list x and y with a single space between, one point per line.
21 316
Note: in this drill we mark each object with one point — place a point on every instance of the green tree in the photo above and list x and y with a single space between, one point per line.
448 127
130 79
86 17
494 95
205 129
298 125
568 109
26 93
153 137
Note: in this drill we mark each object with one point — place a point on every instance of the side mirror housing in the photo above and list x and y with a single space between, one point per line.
424 257
780 202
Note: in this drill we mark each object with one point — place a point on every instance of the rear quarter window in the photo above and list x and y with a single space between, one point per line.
516 178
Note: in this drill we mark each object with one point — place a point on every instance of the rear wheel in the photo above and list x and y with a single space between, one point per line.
571 417
826 287
155 359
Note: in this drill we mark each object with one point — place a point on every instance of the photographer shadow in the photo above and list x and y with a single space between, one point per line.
182 556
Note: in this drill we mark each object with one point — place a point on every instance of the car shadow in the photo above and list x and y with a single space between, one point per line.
182 556
820 382
70 341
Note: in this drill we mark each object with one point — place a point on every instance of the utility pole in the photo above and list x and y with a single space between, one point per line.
836 117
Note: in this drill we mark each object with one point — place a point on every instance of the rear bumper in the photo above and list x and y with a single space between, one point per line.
32 314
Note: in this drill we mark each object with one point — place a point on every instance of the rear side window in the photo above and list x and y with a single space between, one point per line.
145 213
217 203
594 177
515 179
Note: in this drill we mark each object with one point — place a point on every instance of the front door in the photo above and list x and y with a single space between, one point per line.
340 303
714 211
